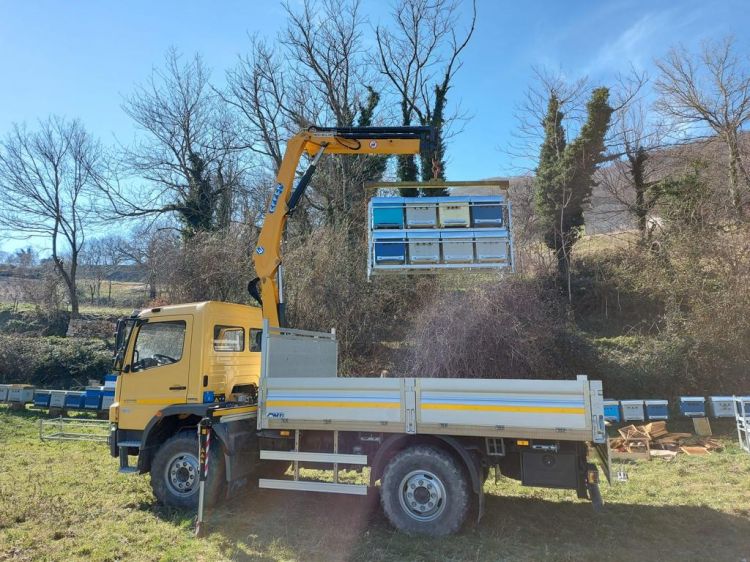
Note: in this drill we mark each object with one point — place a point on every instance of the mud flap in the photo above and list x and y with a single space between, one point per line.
602 451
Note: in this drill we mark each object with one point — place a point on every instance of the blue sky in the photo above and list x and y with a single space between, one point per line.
79 58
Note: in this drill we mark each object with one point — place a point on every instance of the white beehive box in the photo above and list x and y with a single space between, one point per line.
107 402
632 410
421 212
721 406
21 393
458 246
424 246
57 398
491 245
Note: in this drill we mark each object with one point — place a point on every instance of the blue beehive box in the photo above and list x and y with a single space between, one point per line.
612 410
93 397
657 409
42 398
387 212
486 211
390 247
75 400
693 406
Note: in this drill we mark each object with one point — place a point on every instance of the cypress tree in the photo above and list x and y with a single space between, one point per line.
406 164
565 175
433 161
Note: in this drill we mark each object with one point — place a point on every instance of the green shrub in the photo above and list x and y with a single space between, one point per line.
52 362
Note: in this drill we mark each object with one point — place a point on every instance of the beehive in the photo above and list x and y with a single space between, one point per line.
21 393
454 212
612 410
93 397
75 399
424 246
389 247
632 410
491 245
486 211
721 406
387 212
57 399
42 398
421 212
457 247
693 406
657 409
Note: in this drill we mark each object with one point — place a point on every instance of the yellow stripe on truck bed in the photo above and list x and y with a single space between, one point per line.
300 404
513 409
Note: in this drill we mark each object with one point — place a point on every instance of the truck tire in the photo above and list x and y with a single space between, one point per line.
175 472
425 491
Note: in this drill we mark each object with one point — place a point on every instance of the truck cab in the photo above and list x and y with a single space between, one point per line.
173 362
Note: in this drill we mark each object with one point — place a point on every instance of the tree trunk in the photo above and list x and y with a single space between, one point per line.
734 189
152 287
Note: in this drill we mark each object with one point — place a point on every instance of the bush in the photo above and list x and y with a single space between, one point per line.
510 329
36 322
638 366
327 287
52 362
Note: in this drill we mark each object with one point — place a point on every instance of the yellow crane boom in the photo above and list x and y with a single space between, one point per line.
315 141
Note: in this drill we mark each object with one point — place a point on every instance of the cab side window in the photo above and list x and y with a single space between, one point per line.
229 338
159 343
256 336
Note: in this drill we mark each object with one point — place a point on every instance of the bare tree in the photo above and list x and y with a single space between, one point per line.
47 177
531 112
92 259
420 58
636 136
257 89
711 90
326 59
329 67
184 155
150 247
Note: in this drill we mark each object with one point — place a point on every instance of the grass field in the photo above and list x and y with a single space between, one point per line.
66 501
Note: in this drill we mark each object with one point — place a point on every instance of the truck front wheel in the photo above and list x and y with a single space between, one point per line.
175 473
425 491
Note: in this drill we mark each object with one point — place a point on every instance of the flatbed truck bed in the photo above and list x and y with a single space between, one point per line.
535 430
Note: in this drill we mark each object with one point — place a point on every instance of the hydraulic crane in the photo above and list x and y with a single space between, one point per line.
267 288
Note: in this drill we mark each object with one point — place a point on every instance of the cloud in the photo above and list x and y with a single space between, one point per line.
645 39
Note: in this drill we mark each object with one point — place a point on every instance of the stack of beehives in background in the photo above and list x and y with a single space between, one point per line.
654 440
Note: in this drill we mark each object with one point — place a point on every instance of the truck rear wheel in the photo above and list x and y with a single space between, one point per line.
175 473
424 491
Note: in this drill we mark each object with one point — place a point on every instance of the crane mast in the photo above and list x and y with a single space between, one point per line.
267 288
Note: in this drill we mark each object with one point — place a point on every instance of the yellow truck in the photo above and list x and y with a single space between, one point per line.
275 399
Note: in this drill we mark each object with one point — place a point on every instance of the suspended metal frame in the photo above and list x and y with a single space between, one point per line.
507 264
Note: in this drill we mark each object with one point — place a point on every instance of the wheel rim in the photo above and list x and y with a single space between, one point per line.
422 495
182 474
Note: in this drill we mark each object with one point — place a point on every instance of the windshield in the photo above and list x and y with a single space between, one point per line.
158 343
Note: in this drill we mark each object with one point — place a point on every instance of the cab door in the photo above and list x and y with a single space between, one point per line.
156 373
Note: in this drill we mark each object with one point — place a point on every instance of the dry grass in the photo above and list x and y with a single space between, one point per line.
67 502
